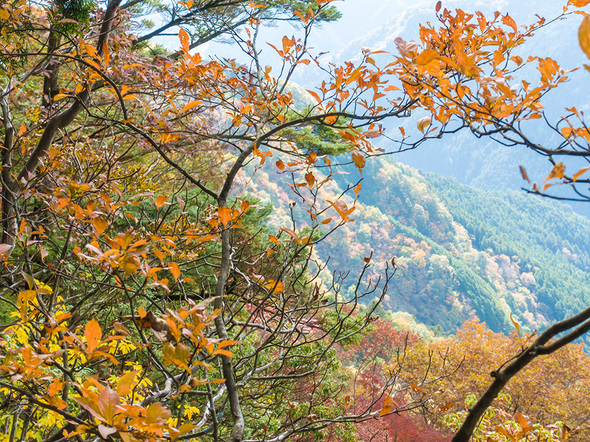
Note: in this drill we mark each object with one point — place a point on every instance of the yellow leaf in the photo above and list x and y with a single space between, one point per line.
124 383
4 14
584 36
275 286
58 97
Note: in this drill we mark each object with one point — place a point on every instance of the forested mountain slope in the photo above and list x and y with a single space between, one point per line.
461 252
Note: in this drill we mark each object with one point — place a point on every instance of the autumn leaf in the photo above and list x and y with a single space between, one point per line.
100 225
524 174
184 40
225 214
557 172
579 173
426 56
388 406
584 36
423 123
578 3
93 334
359 160
125 382
174 269
190 105
275 286
108 403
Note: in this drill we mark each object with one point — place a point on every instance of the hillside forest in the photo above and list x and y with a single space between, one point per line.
195 248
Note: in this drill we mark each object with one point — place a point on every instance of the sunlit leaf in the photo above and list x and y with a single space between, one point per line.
225 214
93 335
584 36
557 172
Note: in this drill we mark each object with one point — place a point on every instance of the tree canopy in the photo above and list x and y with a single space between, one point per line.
145 296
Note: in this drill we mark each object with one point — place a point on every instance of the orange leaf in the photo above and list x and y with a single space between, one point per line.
224 214
359 160
184 40
100 225
93 335
557 172
174 269
275 286
578 3
505 433
580 172
227 353
423 123
507 20
388 405
521 420
22 129
190 105
156 413
426 56
161 201
291 233
108 402
310 179
584 36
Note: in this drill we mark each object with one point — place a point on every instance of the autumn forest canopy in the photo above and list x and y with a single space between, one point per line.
195 247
